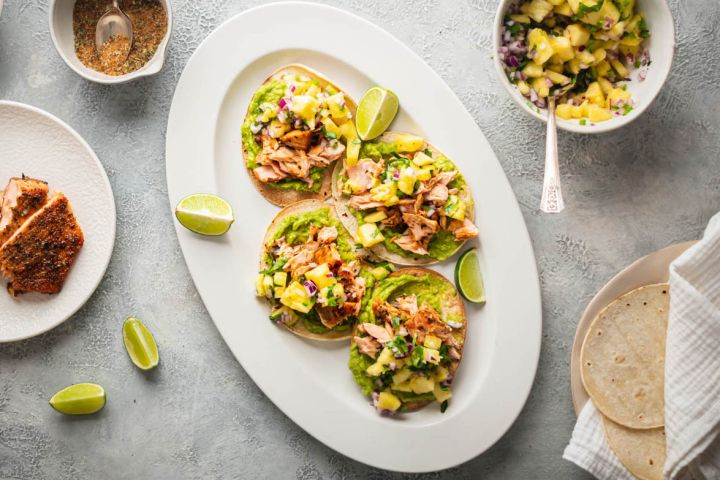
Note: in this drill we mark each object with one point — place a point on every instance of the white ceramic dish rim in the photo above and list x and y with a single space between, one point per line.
568 125
111 201
463 434
153 66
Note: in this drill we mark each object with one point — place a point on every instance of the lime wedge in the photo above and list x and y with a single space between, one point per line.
205 214
468 277
140 344
375 113
79 399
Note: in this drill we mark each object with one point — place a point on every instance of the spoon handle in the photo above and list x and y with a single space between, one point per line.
552 199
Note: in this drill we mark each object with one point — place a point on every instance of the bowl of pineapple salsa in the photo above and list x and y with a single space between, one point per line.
603 61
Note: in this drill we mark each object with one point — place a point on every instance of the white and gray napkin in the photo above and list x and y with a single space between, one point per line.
692 376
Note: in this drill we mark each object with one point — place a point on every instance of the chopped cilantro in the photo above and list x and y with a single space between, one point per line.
398 345
627 109
644 32
583 122
584 10
276 267
427 152
443 406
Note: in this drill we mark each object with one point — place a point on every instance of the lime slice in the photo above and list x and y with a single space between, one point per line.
375 113
140 344
468 277
205 214
79 399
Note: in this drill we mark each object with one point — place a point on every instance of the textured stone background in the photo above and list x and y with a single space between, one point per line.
199 415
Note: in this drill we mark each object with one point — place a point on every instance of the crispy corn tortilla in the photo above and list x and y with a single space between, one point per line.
342 205
284 197
642 452
623 358
456 303
298 208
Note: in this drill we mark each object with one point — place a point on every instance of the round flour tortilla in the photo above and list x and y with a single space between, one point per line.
623 357
642 452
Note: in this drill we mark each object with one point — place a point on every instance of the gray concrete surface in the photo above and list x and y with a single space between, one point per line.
199 415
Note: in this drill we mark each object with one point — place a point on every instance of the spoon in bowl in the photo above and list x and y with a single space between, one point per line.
552 199
113 23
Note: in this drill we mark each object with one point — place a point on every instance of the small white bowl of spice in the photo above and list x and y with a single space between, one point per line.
72 27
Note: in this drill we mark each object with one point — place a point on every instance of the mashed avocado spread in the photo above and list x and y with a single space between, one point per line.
272 92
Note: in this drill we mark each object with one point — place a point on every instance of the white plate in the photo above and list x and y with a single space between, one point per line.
42 146
309 381
648 270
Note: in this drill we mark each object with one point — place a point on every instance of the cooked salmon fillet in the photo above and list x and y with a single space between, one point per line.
22 197
39 254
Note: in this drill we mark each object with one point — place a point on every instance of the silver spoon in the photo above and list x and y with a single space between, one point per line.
113 22
552 199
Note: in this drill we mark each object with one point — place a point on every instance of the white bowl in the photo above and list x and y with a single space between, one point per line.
61 31
661 46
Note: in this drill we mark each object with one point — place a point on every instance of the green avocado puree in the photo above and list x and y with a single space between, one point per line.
272 92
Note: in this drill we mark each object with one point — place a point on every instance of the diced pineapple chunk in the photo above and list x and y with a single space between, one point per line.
605 85
406 182
557 78
402 387
580 111
421 159
260 285
331 127
405 142
375 217
277 129
455 207
375 370
321 276
305 106
539 42
618 96
369 235
602 68
279 292
533 70
385 193
402 376
520 18
541 87
617 31
425 174
597 113
280 279
619 68
296 297
388 401
421 384
631 41
578 34
600 54
627 7
575 4
431 341
555 3
441 374
269 111
562 48
539 9
595 95
338 108
386 356
564 9
585 57
555 67
431 355
440 394
606 17
564 111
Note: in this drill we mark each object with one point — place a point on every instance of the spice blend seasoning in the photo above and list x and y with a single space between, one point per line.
149 22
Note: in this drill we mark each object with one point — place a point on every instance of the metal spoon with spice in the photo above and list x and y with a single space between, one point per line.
114 34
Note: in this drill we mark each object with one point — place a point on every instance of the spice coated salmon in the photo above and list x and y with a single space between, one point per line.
22 197
38 254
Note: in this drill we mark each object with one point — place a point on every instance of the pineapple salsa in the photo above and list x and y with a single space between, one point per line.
581 51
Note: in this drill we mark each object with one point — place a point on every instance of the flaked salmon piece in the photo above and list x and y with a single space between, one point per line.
298 139
328 254
21 198
464 230
368 346
267 173
438 195
363 174
410 244
39 255
282 155
427 322
326 152
364 202
377 332
408 304
327 234
419 226
394 217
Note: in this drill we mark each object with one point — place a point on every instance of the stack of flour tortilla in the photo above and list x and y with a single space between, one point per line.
623 367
